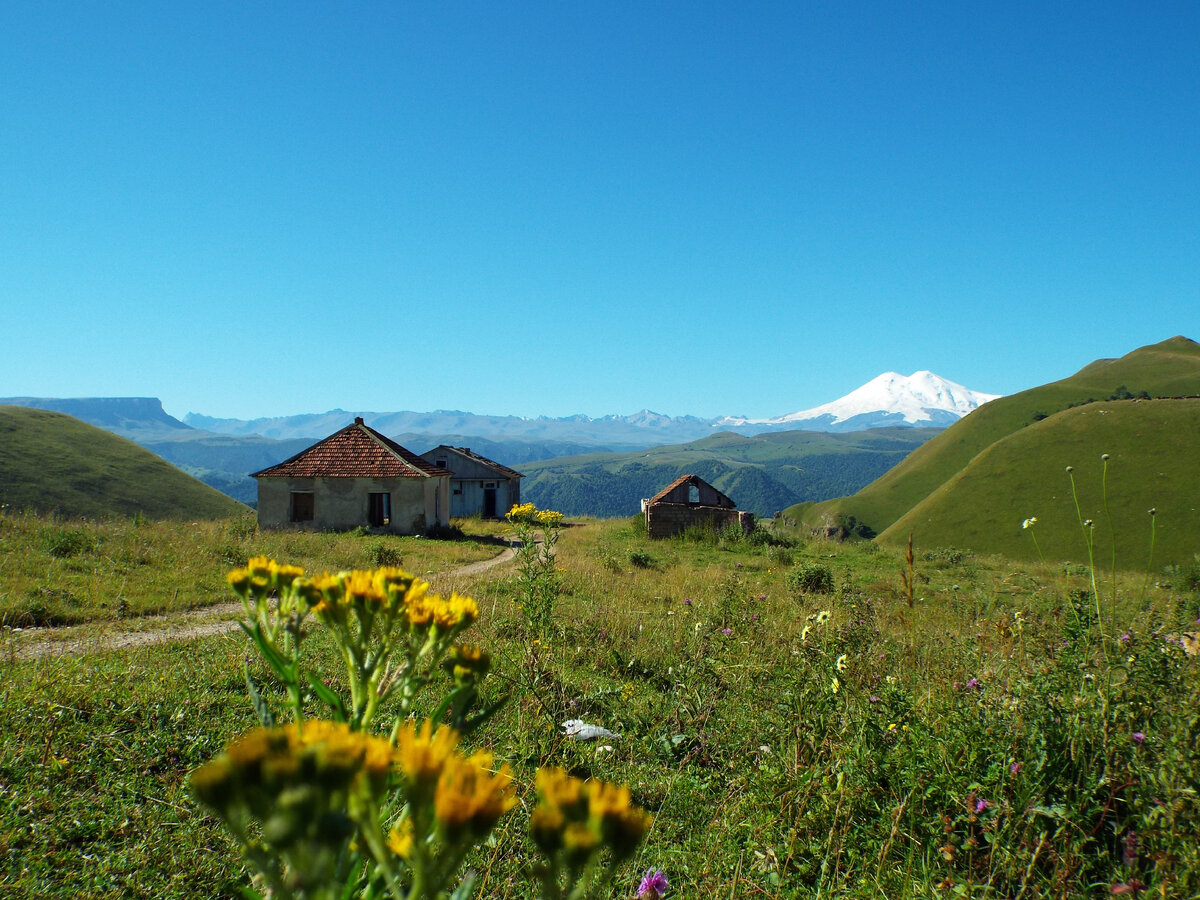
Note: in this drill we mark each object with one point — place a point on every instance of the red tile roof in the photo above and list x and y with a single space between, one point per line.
357 451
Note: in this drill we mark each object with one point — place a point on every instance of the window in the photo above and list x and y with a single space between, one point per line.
693 494
302 506
441 464
379 509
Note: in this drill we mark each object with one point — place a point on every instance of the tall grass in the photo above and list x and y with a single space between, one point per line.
790 743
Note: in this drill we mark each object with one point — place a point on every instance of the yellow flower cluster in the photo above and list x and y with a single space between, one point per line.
577 819
468 794
467 664
528 514
290 776
388 591
261 578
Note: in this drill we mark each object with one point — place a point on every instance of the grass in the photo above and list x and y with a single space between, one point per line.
51 462
982 743
56 571
1022 475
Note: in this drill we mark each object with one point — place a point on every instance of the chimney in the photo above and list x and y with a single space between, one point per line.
358 420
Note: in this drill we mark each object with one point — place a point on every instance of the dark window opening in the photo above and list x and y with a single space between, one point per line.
489 503
441 464
379 509
303 505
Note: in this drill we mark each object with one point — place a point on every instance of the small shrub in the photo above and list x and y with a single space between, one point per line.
699 534
243 527
381 554
945 556
63 543
811 578
782 556
641 559
1187 578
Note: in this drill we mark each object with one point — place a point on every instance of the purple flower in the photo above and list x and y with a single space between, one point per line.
872 699
1138 737
972 684
654 885
1125 638
687 600
1015 768
981 805
762 596
726 631
1132 886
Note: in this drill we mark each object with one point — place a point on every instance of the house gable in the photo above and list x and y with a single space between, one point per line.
357 451
690 501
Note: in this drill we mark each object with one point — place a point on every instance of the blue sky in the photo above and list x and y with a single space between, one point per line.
551 208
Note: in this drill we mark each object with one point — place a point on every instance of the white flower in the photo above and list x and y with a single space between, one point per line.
841 663
1030 522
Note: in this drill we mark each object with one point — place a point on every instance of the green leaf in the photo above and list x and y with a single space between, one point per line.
261 709
329 697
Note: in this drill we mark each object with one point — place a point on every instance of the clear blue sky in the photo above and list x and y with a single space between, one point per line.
548 208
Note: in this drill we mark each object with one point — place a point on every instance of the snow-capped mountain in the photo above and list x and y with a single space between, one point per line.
922 398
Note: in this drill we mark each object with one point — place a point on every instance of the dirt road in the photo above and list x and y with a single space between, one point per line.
32 643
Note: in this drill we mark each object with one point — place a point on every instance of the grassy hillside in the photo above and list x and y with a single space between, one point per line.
1154 450
762 474
1168 369
51 462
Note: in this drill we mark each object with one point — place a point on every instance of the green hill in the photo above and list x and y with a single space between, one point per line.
53 463
762 474
1154 459
1167 369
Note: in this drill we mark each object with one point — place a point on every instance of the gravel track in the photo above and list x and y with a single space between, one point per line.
76 640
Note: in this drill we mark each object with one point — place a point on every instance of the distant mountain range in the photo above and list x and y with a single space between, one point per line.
222 452
922 399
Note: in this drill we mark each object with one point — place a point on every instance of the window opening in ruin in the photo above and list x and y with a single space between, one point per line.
693 494
379 509
302 506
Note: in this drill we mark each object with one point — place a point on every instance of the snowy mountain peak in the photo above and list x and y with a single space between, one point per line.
921 398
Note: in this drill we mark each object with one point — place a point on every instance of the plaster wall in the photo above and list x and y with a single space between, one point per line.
342 503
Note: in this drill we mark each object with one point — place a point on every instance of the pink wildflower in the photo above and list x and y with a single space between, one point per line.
654 885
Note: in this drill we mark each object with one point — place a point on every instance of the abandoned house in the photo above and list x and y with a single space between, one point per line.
690 500
355 477
478 485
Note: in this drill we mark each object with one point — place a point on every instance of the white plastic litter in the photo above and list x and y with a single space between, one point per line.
579 730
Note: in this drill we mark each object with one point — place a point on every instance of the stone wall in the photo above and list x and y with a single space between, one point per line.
666 519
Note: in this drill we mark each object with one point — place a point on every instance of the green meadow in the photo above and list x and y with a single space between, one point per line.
802 718
974 484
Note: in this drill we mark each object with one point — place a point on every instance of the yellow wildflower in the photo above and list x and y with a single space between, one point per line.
470 796
422 753
400 839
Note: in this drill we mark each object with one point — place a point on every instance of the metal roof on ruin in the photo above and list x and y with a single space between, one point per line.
482 460
661 496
